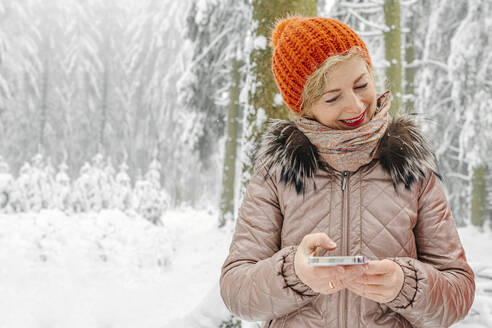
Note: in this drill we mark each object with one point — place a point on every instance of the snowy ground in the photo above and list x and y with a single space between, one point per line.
110 270
478 247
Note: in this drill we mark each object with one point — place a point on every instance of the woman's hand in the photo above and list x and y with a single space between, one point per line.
381 282
324 280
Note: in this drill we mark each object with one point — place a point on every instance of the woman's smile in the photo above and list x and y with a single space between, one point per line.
355 121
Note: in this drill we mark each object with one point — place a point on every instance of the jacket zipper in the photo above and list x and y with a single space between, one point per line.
344 180
345 232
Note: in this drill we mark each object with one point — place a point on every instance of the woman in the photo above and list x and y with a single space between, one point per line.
342 178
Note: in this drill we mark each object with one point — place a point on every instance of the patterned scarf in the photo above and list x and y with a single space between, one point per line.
347 150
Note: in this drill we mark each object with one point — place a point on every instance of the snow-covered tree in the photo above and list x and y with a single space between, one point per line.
78 78
470 64
61 189
122 196
204 85
151 200
451 93
6 186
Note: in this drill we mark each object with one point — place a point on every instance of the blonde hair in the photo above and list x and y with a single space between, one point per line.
316 82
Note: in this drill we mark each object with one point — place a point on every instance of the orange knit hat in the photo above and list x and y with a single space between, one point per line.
301 45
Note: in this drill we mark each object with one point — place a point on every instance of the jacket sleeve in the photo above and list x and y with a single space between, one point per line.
439 285
258 281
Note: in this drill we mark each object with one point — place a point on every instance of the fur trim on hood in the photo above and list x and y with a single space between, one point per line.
403 152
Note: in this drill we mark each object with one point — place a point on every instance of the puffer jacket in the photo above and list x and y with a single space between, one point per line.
393 208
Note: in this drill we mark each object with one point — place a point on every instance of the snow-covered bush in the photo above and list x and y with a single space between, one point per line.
151 200
97 187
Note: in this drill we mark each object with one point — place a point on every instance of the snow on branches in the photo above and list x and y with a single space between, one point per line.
98 187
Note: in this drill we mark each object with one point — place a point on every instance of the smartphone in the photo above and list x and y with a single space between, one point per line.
336 260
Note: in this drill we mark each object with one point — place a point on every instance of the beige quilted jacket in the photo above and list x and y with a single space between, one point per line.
393 208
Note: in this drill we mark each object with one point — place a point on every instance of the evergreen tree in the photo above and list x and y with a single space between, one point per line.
231 145
469 66
240 17
209 26
87 77
61 195
6 186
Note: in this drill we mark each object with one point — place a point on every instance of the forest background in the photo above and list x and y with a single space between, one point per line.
148 106
151 107
187 85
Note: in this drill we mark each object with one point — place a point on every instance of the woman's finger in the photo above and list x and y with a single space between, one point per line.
354 272
320 239
347 272
380 267
372 279
332 273
333 286
370 289
367 291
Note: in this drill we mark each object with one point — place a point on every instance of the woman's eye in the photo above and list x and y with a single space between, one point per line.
362 86
331 100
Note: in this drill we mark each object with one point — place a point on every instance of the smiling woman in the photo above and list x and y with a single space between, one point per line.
343 178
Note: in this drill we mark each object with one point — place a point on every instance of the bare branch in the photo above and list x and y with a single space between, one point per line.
440 103
369 33
359 5
458 175
210 47
379 27
417 63
409 3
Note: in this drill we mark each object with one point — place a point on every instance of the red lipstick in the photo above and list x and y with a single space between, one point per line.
360 119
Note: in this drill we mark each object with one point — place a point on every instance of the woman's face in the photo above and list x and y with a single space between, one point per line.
349 98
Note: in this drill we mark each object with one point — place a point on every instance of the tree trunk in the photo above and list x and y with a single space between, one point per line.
101 147
409 104
43 117
229 170
392 41
261 96
478 196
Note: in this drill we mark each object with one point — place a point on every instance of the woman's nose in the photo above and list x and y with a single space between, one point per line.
354 104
